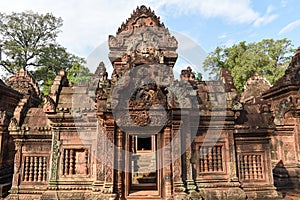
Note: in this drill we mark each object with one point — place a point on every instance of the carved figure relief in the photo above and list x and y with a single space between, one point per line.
49 105
143 100
2 116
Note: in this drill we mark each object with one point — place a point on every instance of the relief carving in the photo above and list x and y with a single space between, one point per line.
3 117
49 105
283 107
55 156
13 125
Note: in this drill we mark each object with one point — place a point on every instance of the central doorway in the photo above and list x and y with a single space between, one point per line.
144 173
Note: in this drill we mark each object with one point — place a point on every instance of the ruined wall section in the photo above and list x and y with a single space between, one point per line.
284 99
9 99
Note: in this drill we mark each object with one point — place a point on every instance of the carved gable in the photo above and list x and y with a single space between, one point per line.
291 76
143 39
23 82
141 17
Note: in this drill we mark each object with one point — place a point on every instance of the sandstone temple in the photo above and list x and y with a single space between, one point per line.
139 133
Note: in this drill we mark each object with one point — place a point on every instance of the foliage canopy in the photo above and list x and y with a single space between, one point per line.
268 57
28 41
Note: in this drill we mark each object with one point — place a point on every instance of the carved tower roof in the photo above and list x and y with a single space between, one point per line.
142 39
291 76
151 20
290 80
254 88
23 82
226 77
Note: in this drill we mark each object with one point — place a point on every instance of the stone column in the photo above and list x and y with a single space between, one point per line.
186 126
120 163
17 167
100 157
54 160
178 188
1 143
232 157
109 160
167 164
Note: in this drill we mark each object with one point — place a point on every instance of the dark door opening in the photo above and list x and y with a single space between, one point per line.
144 164
144 143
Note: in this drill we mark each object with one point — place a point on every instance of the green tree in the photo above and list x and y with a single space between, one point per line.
268 57
79 73
25 37
28 41
198 76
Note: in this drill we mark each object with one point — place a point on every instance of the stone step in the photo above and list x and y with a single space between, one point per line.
144 171
145 164
144 197
142 164
144 194
143 155
144 158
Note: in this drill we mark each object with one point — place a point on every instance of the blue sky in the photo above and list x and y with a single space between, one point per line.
207 24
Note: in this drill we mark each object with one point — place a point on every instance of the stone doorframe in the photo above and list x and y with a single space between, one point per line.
128 148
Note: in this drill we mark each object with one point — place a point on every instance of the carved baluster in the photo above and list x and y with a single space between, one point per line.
201 164
205 158
250 166
86 161
72 162
219 153
40 171
66 172
133 142
31 166
246 167
44 169
17 164
26 170
35 174
242 166
210 164
259 171
63 162
254 167
215 160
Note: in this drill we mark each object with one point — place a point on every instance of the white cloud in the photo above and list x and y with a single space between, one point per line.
87 24
232 11
291 26
222 36
283 3
266 18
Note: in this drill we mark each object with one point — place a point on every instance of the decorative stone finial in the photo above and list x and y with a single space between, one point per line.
62 72
187 74
255 87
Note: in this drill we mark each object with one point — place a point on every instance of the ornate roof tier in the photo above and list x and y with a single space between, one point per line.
142 39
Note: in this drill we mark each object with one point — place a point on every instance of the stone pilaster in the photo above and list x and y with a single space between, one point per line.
109 158
178 188
54 159
17 167
167 164
120 164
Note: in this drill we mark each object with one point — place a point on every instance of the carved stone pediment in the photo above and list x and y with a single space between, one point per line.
141 17
147 96
142 39
254 88
49 105
24 83
291 76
